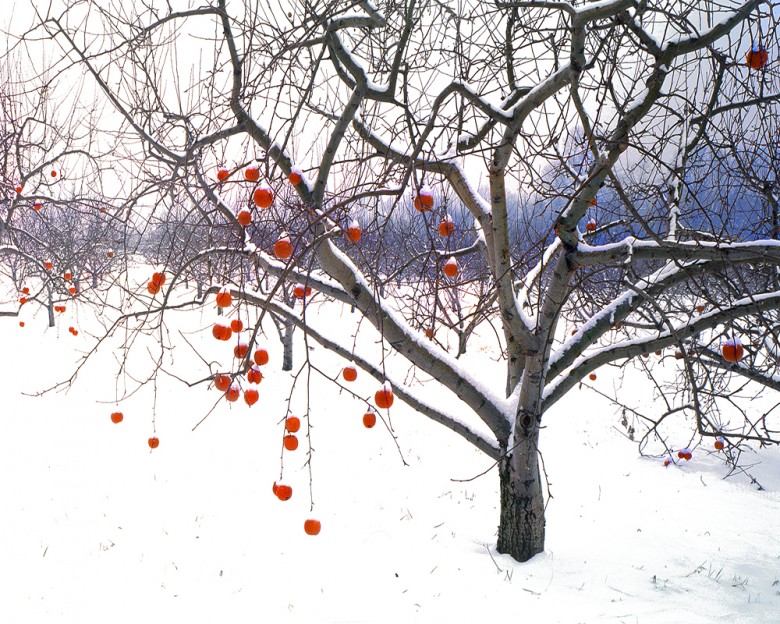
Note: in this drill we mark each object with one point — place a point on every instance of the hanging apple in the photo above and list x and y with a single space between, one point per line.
263 196
296 176
283 247
224 299
244 217
757 57
446 226
451 267
423 201
252 173
353 231
301 292
384 396
732 350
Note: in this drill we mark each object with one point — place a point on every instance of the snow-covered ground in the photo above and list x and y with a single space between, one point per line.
96 527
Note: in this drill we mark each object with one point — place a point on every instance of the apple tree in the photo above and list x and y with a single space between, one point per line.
59 232
593 180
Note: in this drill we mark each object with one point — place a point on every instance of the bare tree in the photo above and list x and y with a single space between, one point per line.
609 120
58 234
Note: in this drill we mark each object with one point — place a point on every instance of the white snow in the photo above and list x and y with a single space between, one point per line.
96 527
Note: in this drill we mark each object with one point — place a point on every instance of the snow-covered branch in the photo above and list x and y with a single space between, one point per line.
407 394
635 347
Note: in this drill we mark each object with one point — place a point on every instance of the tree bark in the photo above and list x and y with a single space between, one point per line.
50 307
285 328
287 342
521 527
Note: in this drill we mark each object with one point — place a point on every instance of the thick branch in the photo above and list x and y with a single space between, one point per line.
634 348
402 391
422 354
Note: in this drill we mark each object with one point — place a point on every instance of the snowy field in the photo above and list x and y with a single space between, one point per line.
96 527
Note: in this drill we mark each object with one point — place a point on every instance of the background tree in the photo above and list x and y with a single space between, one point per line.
58 233
618 111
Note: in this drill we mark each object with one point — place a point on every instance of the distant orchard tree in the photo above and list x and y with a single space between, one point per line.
609 169
58 234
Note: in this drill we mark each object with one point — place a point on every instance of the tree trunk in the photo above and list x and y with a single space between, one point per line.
50 307
521 528
462 342
285 329
287 342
